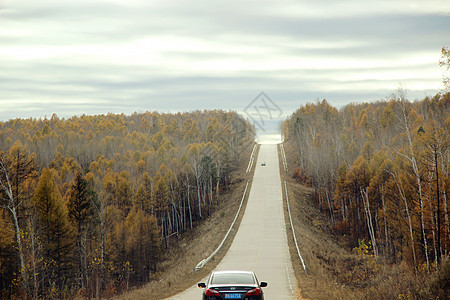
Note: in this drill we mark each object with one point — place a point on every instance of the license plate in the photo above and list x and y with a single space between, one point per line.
232 296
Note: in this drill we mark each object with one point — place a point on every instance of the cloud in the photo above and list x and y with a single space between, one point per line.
75 57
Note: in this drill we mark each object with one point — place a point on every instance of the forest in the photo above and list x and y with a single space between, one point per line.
89 203
380 171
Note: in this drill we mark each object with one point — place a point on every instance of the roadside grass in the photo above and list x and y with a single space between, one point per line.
176 272
335 270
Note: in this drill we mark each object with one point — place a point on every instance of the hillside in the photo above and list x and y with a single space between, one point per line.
369 183
90 204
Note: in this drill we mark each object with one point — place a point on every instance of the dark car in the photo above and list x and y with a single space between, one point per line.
241 285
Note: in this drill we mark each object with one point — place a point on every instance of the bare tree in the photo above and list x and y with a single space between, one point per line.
412 158
370 227
14 170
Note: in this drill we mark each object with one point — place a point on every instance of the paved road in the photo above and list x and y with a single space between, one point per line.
260 243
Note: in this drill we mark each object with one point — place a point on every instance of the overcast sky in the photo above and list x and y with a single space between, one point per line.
98 56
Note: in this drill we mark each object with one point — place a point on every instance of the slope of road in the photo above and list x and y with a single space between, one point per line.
260 243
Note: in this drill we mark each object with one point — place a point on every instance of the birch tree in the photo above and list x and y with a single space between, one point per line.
411 156
15 168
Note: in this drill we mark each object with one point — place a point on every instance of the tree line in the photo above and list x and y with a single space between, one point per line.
88 203
381 172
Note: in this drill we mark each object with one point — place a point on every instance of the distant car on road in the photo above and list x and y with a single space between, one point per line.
263 163
233 285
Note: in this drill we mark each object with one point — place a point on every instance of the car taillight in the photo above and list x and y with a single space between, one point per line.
254 292
211 292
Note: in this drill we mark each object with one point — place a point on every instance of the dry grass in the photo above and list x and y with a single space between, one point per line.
176 272
335 272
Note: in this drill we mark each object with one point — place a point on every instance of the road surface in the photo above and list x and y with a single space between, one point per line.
260 243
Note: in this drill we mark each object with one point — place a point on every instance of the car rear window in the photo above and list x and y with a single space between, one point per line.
233 278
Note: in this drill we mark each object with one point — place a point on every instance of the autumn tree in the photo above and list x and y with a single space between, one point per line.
15 168
385 164
436 142
8 256
161 200
54 228
143 196
81 214
137 161
142 242
410 154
